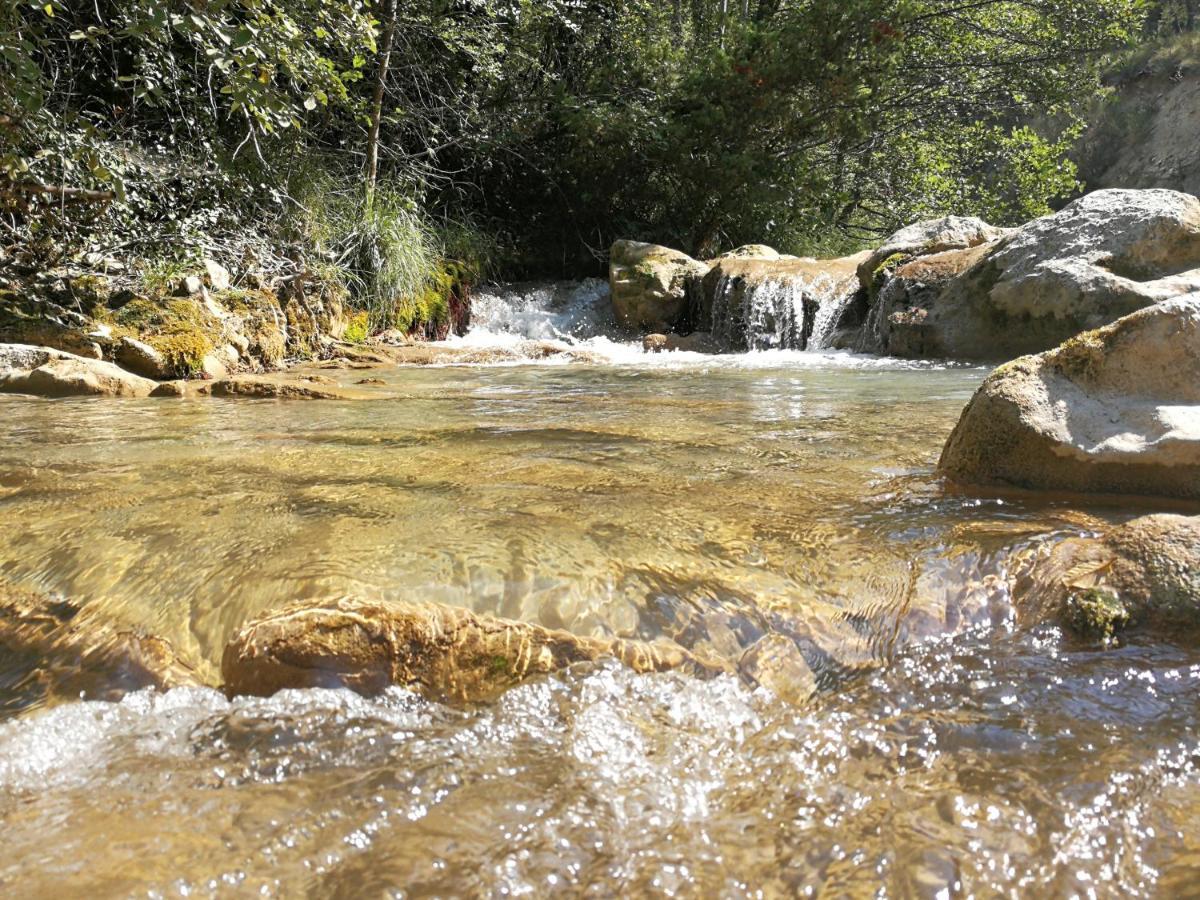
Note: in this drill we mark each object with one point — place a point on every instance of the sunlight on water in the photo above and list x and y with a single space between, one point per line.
703 500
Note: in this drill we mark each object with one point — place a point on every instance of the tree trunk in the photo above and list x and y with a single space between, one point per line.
388 20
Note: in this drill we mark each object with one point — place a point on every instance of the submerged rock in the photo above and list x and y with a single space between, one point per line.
281 387
54 373
1115 410
1145 572
651 285
1102 257
442 652
52 648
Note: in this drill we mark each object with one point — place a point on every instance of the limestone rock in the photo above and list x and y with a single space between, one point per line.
1144 572
141 359
189 285
1102 257
898 320
445 653
1116 410
55 373
751 251
279 388
927 238
651 285
216 275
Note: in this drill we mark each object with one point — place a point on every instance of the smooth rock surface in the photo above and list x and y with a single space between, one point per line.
55 373
1116 410
651 285
1102 257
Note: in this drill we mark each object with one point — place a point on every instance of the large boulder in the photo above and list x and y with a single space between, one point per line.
54 373
443 652
924 239
1116 410
1144 572
651 285
901 295
1103 256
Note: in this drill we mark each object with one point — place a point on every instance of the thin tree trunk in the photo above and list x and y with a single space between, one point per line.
388 19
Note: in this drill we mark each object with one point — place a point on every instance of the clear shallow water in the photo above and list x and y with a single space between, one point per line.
705 501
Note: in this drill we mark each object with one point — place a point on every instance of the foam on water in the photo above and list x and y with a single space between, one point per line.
986 765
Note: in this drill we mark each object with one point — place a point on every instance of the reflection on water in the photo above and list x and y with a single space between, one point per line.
704 501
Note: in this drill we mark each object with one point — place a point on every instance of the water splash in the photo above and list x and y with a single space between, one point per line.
571 311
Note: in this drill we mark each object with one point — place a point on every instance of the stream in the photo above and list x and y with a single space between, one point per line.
707 500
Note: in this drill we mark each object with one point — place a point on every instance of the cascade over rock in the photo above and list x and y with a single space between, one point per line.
787 303
1116 410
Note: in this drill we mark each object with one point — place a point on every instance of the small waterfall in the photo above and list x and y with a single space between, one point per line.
790 308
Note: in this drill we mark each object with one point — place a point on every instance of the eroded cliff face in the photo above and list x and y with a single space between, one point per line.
1146 135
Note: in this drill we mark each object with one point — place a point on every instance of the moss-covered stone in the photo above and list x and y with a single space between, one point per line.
1096 613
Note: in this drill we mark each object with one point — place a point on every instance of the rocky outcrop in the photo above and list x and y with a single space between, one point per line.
445 653
54 373
1116 410
1143 573
651 285
925 239
1103 256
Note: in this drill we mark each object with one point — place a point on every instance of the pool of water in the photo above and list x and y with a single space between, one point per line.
707 501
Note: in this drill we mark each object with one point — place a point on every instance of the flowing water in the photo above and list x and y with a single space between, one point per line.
949 752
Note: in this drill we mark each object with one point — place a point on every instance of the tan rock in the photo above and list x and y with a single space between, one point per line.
1116 410
55 373
445 653
141 359
281 387
651 285
927 238
72 649
697 342
1144 572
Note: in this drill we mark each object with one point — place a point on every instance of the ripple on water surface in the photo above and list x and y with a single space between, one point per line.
707 502
985 765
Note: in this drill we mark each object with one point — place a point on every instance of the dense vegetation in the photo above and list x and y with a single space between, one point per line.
405 144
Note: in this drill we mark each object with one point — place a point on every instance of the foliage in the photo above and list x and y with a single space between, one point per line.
551 127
